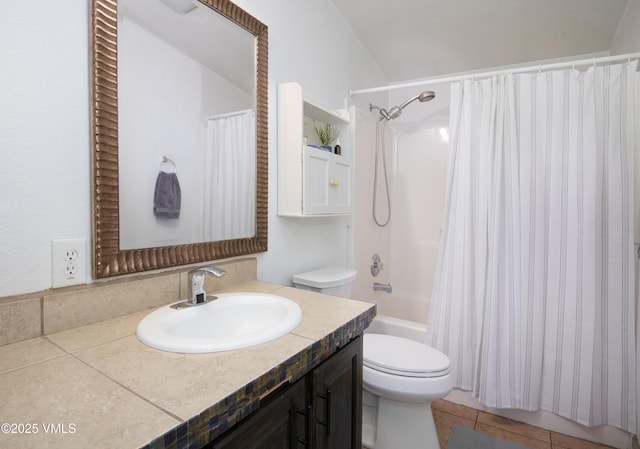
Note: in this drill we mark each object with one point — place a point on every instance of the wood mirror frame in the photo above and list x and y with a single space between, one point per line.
108 259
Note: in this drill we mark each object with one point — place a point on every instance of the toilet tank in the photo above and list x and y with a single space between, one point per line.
330 280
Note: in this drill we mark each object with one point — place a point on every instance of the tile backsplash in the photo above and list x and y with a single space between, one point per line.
28 316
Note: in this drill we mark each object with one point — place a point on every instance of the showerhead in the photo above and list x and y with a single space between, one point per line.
396 111
422 96
426 96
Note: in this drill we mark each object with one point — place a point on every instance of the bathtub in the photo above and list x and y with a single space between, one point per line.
388 325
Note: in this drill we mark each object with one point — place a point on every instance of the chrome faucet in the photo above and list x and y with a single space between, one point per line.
197 295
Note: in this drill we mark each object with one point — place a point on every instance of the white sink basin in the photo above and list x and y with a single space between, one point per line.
234 320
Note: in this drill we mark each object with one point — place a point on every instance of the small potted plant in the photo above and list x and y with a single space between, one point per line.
327 135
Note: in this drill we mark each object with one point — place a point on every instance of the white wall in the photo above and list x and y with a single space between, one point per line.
44 137
627 39
309 43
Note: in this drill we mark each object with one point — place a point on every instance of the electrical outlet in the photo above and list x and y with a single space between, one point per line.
70 270
71 255
69 262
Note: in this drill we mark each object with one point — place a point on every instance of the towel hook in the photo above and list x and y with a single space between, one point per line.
166 160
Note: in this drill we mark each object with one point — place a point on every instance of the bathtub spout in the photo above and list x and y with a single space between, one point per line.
377 286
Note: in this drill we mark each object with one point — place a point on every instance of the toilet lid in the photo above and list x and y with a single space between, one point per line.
325 277
403 357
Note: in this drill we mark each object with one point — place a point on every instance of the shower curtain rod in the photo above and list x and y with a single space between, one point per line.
451 79
229 114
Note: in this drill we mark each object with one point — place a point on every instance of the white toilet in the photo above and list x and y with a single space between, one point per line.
330 280
400 376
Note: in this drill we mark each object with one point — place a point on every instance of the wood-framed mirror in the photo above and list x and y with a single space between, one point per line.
110 258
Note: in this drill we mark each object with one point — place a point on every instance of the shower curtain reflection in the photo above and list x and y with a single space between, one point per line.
229 179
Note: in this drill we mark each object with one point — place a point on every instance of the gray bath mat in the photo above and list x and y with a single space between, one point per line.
464 438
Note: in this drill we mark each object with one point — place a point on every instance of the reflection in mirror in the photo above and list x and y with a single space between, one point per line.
186 87
169 188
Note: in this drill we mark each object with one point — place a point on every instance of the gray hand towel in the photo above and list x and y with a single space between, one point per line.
167 196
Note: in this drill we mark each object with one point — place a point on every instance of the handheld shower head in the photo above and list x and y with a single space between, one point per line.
396 111
426 96
422 97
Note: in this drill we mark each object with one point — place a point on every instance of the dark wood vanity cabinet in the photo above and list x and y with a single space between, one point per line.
337 399
322 410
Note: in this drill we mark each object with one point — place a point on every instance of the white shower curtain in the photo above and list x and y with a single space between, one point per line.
230 177
534 293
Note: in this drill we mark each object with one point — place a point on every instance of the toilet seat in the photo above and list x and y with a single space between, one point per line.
403 357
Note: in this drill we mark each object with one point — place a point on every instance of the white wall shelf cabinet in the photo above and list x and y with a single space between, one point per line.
311 182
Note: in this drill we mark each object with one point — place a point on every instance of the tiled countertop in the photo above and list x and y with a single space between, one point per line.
97 386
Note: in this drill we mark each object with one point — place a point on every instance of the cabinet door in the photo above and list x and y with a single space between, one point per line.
337 399
315 186
326 183
340 186
281 424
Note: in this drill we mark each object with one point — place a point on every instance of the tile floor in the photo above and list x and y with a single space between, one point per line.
446 414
